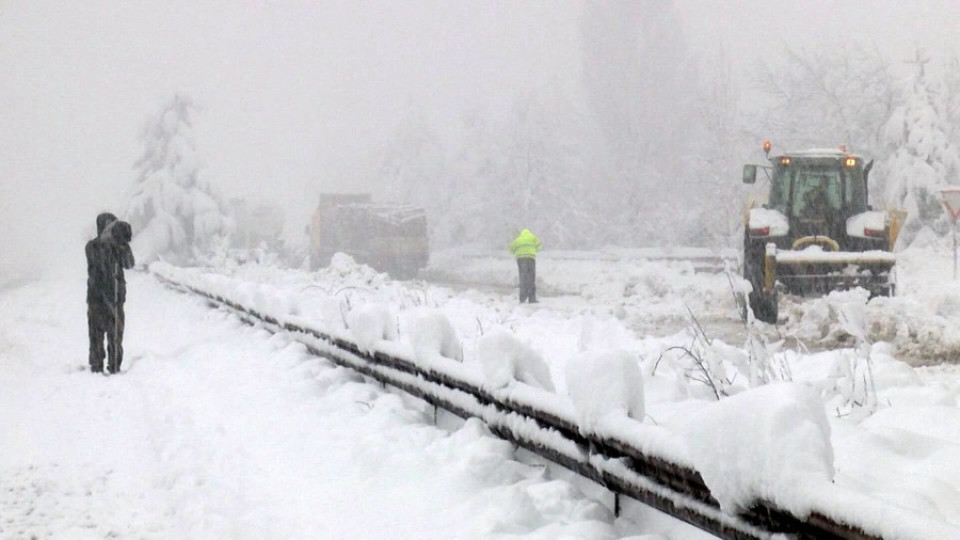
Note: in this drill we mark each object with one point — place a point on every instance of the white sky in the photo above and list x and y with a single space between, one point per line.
295 94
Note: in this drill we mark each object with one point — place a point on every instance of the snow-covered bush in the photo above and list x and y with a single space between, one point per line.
605 383
333 312
371 323
350 275
712 364
272 301
503 358
781 452
432 334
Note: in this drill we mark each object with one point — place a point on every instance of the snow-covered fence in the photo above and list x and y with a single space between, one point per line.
626 456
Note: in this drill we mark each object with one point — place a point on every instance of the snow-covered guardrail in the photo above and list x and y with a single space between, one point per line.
627 457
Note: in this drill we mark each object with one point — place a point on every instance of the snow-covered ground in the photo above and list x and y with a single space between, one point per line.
220 430
655 293
217 430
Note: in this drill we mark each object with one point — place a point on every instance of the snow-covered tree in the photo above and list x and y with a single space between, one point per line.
174 213
547 166
640 84
922 158
529 166
477 188
828 97
722 145
411 166
951 80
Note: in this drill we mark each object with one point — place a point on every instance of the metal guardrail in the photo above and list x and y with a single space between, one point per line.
618 465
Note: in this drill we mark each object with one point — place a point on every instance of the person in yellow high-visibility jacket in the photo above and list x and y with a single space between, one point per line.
525 247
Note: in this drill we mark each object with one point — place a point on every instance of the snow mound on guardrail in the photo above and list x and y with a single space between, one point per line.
432 334
769 443
371 323
504 358
605 383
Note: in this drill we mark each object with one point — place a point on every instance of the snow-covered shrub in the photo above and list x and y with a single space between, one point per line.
271 301
431 333
332 312
503 358
655 281
371 323
600 333
708 362
344 275
854 368
853 382
604 383
342 264
771 442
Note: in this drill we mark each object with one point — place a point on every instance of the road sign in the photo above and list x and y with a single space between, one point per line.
951 201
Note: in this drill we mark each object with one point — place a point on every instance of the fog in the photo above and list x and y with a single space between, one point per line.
297 97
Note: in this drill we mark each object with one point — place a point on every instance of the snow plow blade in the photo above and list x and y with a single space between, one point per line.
814 271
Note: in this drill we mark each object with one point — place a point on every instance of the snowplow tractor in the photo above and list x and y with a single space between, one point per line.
816 233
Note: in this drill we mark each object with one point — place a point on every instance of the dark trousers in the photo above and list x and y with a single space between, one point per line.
101 322
528 278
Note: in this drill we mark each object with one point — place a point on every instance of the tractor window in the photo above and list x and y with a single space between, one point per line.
855 194
816 192
780 189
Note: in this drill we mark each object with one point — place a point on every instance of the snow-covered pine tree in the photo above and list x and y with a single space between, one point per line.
174 214
922 159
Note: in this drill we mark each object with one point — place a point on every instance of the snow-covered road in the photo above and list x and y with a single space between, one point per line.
218 430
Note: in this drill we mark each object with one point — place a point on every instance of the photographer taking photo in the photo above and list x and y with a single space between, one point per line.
107 256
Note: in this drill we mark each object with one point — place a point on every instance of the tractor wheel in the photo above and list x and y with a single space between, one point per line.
765 306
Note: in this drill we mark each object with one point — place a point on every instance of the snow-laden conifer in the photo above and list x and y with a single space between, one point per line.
174 213
922 159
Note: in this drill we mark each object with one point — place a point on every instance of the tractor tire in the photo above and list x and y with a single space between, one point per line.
765 306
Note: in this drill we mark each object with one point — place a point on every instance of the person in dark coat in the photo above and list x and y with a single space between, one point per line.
107 256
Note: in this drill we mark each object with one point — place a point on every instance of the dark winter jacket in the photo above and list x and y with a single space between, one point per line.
107 256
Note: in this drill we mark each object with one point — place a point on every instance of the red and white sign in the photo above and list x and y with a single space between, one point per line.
951 201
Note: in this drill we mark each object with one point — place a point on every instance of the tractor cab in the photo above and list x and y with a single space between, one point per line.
818 192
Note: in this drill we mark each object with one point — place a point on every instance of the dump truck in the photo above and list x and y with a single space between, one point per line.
391 238
816 232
